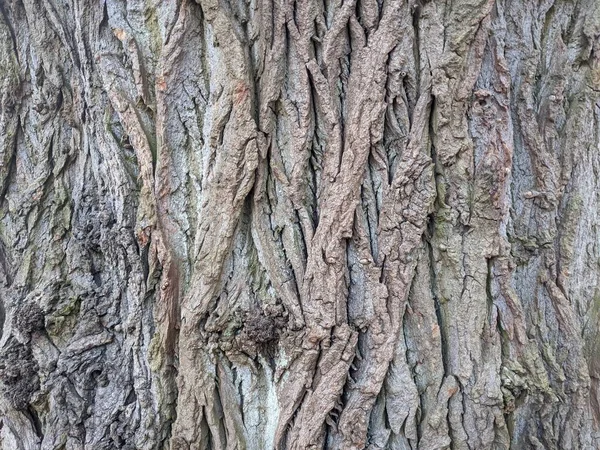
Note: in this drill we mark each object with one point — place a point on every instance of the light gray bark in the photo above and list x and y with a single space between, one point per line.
338 224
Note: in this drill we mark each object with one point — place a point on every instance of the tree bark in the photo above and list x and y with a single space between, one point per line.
273 224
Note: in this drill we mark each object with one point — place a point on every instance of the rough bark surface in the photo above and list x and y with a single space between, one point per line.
299 224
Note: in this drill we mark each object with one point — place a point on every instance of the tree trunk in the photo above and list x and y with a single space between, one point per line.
338 224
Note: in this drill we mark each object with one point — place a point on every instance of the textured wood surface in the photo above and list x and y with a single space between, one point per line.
299 224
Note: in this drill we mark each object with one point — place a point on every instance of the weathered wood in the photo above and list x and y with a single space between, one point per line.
299 225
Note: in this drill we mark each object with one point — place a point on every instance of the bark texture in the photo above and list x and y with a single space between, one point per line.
299 224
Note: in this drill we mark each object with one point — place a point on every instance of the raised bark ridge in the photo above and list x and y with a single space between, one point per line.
299 224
